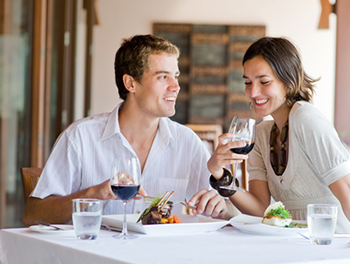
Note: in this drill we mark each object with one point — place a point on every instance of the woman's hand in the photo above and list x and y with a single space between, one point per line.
223 156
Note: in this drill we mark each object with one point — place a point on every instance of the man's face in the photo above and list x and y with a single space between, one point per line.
157 91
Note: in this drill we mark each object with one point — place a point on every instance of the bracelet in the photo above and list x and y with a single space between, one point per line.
225 180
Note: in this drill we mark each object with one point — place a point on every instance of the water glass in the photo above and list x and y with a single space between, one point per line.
87 216
321 221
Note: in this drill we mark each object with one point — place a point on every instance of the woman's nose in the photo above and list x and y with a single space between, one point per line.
252 90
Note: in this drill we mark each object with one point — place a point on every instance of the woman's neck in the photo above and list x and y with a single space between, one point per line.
281 116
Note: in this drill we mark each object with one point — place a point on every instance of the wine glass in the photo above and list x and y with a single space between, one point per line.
125 184
243 129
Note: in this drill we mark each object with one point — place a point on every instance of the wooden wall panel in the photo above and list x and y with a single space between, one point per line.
212 88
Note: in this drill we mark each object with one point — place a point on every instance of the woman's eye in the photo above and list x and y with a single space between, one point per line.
264 83
247 83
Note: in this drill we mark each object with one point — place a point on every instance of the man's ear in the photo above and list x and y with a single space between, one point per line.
129 83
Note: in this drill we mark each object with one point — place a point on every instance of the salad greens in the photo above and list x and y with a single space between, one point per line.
279 211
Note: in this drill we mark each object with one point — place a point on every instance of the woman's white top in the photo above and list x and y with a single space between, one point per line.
316 159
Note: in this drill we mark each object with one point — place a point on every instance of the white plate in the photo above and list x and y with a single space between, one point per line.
252 225
189 224
51 230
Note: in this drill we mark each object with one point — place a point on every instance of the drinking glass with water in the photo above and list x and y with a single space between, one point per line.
87 216
321 221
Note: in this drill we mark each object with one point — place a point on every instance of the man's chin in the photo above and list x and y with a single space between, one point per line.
170 114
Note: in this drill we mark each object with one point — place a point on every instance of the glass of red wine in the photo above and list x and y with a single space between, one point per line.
125 184
243 129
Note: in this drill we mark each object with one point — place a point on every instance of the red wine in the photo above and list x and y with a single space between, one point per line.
245 150
125 192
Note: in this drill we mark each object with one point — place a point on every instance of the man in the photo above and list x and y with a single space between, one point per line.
171 156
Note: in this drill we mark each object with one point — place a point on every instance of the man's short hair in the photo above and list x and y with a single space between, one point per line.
132 57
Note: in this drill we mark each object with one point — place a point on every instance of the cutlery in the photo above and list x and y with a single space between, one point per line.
305 235
149 199
47 224
111 228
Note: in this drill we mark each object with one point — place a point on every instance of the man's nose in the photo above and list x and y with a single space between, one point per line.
174 86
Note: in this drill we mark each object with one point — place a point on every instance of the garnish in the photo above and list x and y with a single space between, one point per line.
279 211
296 225
155 201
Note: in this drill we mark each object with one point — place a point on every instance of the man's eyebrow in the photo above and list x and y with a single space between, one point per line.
167 72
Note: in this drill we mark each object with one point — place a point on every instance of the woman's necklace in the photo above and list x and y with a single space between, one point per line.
279 165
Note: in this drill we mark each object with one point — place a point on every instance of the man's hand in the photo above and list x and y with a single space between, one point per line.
209 203
103 191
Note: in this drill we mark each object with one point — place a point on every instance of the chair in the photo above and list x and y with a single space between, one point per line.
30 177
209 134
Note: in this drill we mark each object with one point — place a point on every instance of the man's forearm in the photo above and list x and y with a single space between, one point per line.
52 209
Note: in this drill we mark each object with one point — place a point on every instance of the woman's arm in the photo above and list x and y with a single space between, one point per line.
255 201
341 190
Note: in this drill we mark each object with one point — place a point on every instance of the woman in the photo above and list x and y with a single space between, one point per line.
315 165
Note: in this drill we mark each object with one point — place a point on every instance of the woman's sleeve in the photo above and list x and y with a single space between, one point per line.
320 141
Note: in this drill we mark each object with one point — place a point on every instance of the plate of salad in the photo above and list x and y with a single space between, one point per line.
253 225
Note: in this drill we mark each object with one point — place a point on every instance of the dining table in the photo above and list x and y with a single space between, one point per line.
227 244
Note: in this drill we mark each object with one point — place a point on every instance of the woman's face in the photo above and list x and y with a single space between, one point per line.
266 92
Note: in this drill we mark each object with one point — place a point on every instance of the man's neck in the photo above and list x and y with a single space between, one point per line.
139 130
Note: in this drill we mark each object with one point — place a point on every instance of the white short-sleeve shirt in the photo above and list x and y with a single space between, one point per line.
83 154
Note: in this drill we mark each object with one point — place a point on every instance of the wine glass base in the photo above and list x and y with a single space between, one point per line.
125 236
232 188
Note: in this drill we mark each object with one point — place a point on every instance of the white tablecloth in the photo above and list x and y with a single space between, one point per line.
227 245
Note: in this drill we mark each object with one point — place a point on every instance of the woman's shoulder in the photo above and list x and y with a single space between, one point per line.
304 109
305 112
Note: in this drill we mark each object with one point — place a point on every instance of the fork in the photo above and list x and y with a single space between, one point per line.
47 224
149 199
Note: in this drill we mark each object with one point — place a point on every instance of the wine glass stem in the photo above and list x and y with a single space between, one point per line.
125 229
234 175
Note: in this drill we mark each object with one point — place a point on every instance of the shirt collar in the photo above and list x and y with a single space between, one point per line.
112 126
165 131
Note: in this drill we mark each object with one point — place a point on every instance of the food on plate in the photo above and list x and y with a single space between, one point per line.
277 215
297 225
159 212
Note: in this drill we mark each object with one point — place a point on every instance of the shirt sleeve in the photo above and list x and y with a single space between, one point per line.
61 172
199 178
319 140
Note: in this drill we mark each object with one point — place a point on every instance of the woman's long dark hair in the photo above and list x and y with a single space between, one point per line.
284 59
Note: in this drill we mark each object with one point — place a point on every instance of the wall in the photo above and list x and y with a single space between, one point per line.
297 20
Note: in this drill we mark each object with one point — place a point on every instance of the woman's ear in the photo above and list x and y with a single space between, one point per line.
129 83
